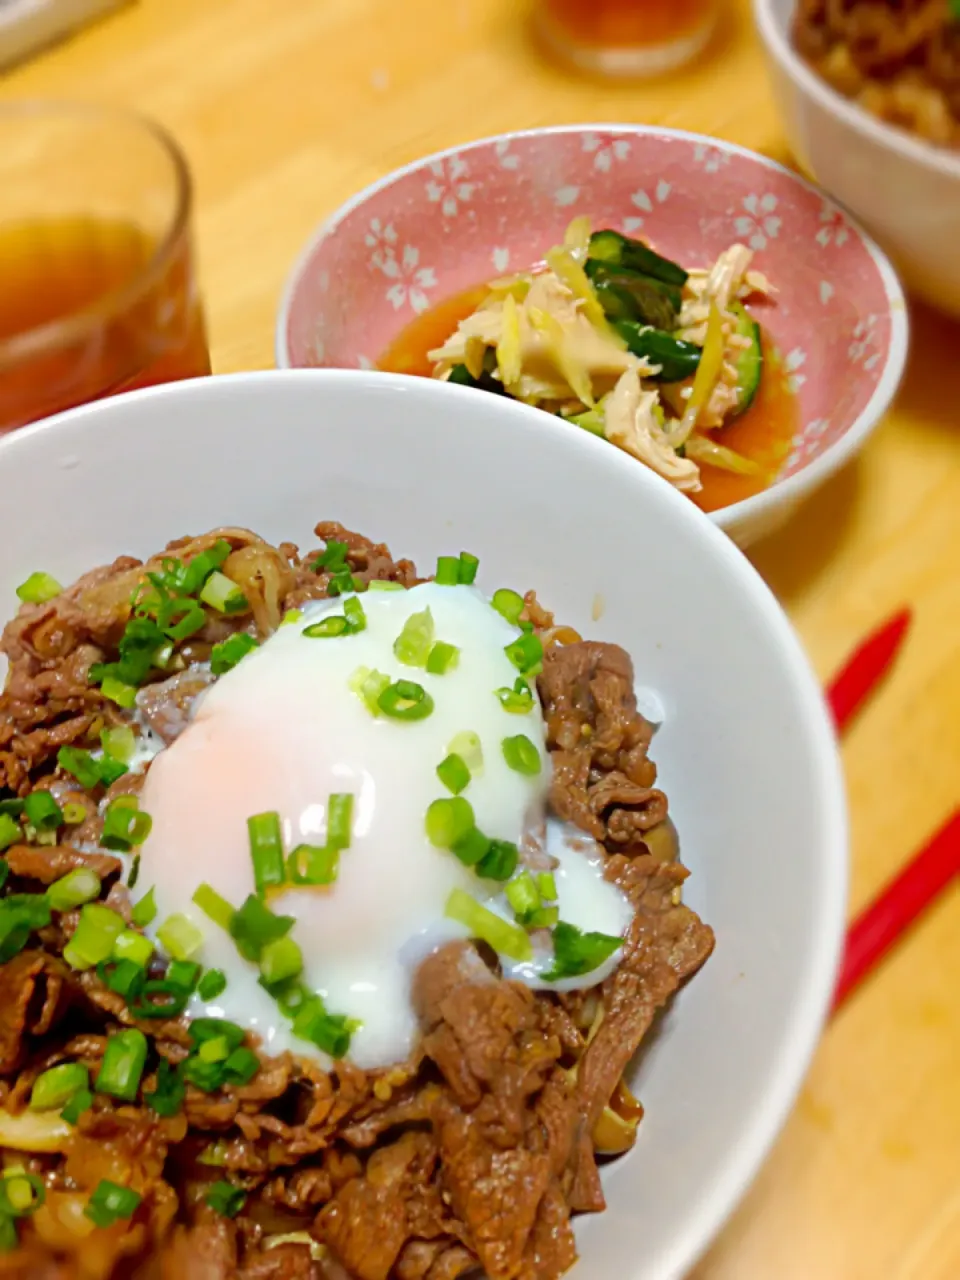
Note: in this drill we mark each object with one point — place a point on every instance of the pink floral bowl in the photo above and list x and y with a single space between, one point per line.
443 224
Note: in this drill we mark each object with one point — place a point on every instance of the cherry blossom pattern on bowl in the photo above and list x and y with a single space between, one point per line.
453 220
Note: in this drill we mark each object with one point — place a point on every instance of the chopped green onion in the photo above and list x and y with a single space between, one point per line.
329 1032
225 655
81 1101
499 862
355 616
442 658
254 925
225 1199
405 700
190 619
467 745
518 700
214 1050
223 594
159 998
10 831
327 628
542 918
342 582
207 1076
448 571
547 886
124 824
453 773
38 588
4 872
212 984
213 905
13 806
240 1068
339 815
124 695
214 1154
291 616
122 976
266 850
192 576
576 953
133 946
55 1087
467 568
97 930
20 915
184 974
448 821
509 604
74 814
203 1029
333 558
180 937
369 685
9 1234
313 864
42 811
522 894
472 848
384 584
145 911
412 646
167 1097
89 772
134 872
110 1203
280 960
21 1193
122 1065
119 743
74 889
521 755
526 654
290 996
508 939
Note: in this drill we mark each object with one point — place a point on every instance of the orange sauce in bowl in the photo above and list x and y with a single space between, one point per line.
764 434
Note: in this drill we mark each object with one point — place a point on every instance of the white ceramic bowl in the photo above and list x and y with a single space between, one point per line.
746 752
904 190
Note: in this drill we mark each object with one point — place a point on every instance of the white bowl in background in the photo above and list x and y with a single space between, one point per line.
905 191
746 751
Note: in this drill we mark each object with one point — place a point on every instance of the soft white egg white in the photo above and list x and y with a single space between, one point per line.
282 732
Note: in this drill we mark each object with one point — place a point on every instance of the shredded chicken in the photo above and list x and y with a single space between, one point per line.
544 338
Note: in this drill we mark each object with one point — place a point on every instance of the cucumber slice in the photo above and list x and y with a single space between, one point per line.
749 363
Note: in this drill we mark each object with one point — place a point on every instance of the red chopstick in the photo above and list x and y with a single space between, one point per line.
889 916
865 668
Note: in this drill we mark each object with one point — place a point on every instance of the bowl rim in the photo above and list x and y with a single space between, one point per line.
812 1000
785 493
906 144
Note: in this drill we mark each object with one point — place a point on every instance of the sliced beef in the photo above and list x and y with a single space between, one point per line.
34 993
602 775
48 863
168 704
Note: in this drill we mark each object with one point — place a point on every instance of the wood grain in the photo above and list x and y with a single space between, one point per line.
285 107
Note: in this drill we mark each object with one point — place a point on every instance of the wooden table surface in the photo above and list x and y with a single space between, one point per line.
286 107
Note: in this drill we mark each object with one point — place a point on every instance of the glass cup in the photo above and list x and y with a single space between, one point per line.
626 37
98 292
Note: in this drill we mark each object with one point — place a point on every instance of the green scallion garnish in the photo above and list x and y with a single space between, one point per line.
74 814
159 998
313 864
212 984
124 824
327 628
280 960
225 655
144 912
89 772
412 646
467 569
167 1097
81 1101
467 745
521 755
111 1203
97 930
405 700
184 974
453 773
290 617
38 588
329 1032
355 616
121 1067
118 691
42 811
526 654
179 937
576 953
74 889
518 700
508 939
499 862
447 821
384 584
226 1199
133 946
213 905
10 831
472 848
55 1087
339 818
448 571
509 604
522 894
119 743
266 850
122 976
332 559
547 886
369 685
253 925
21 1193
442 658
223 594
